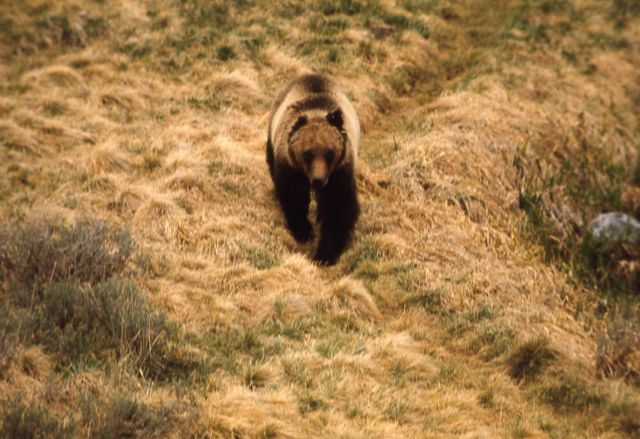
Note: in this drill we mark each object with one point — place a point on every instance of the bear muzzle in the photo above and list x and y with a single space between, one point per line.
317 183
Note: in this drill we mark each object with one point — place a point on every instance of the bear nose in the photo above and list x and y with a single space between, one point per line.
318 183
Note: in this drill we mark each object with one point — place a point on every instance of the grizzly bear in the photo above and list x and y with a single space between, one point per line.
312 144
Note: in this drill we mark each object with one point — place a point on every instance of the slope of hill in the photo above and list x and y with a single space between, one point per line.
150 287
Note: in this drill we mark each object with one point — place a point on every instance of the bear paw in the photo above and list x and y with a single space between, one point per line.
302 232
324 258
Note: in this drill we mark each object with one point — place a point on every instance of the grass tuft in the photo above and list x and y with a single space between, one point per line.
259 257
347 7
308 403
572 393
155 113
362 251
530 358
618 353
255 377
225 53
123 416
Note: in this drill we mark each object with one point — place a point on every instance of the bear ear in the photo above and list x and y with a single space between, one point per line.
302 121
335 118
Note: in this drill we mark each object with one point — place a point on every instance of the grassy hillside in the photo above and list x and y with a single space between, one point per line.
149 287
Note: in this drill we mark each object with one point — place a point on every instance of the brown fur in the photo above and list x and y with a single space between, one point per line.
317 148
313 98
312 144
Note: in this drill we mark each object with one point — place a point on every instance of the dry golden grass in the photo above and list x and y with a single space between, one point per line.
152 115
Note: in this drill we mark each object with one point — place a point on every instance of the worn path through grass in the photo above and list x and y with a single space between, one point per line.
445 317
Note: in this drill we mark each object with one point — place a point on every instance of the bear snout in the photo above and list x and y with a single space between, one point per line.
318 183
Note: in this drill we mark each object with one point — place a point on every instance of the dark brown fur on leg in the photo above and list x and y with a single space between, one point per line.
338 211
293 192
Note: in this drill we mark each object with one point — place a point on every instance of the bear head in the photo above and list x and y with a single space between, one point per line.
317 146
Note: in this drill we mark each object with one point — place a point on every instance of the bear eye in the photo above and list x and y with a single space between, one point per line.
307 157
335 118
329 156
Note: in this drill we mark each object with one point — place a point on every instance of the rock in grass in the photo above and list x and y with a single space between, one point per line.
615 227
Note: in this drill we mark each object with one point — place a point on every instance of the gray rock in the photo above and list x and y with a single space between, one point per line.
615 227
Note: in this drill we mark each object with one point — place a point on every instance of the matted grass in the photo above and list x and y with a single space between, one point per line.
168 298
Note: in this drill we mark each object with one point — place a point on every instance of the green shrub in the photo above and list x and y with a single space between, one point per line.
30 421
41 252
94 323
64 293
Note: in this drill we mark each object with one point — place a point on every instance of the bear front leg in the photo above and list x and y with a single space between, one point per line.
292 189
270 157
338 211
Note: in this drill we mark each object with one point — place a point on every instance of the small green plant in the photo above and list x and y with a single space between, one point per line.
417 6
226 347
480 314
487 397
269 431
65 293
259 257
403 22
204 14
135 51
330 347
327 26
364 250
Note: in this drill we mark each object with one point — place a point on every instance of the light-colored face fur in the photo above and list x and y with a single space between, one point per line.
330 123
317 148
